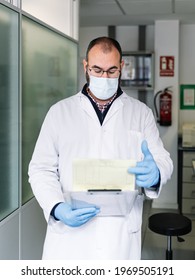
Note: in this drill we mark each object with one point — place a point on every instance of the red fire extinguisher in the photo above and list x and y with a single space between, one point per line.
165 106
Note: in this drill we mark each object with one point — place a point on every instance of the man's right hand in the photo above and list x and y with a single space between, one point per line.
75 217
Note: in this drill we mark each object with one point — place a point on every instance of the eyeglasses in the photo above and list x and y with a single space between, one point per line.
98 72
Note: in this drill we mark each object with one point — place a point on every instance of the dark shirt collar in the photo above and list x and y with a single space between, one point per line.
101 115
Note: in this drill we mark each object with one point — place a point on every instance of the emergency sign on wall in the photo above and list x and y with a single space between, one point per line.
166 66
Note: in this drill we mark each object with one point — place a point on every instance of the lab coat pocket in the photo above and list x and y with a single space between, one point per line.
135 216
135 139
57 226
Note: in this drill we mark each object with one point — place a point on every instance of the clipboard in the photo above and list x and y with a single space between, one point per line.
110 202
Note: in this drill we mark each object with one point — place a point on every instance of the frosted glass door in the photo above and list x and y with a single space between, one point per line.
9 141
49 73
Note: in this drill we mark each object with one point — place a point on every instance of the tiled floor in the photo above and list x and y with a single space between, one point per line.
154 245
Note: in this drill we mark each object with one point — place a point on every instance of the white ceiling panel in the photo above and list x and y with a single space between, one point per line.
185 6
144 1
89 2
99 8
135 12
144 7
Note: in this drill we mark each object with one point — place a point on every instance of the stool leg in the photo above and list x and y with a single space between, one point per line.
169 255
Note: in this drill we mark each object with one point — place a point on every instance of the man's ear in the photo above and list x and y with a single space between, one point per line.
122 63
85 65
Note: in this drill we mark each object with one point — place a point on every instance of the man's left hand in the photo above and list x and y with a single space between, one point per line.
146 171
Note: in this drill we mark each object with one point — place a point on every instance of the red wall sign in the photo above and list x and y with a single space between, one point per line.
167 66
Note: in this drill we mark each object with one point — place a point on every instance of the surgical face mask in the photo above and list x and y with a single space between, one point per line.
103 88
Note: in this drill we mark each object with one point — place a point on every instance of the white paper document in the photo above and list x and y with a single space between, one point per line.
101 174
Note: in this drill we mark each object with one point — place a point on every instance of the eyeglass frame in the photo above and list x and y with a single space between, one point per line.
104 71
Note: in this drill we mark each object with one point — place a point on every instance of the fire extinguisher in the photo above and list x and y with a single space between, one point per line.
164 118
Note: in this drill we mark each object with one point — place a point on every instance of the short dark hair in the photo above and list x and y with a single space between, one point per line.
107 44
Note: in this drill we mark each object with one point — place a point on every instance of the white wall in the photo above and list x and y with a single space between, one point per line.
167 43
183 48
62 15
187 66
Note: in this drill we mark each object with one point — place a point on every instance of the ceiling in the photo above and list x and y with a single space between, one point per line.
134 12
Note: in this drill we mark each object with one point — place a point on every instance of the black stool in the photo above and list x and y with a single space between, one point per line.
170 224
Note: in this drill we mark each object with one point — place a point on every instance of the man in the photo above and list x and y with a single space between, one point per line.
99 122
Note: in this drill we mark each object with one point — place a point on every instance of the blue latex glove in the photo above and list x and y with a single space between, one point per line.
77 204
146 171
74 216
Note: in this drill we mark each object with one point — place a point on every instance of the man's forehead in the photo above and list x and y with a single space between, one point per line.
102 48
97 51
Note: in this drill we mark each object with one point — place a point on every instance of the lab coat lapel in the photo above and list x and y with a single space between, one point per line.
88 108
115 107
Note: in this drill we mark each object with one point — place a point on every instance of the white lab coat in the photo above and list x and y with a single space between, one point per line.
72 130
